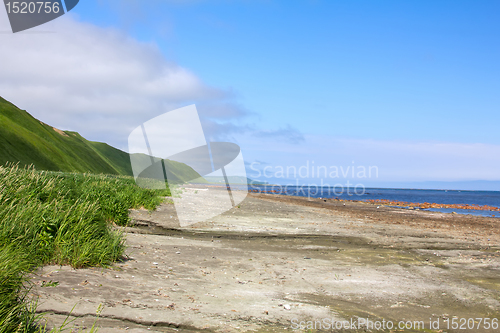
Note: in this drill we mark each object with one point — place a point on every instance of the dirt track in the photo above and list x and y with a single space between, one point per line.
277 259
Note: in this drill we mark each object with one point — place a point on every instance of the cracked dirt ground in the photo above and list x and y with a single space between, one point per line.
274 259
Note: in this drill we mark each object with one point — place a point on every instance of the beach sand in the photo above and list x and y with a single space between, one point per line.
280 260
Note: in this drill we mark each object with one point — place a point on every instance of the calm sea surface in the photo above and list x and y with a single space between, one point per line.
490 198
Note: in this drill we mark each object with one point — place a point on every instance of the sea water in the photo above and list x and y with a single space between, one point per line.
481 198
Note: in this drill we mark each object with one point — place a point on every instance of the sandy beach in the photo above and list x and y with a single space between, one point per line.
278 261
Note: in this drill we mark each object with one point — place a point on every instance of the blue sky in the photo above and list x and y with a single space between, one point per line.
420 70
409 86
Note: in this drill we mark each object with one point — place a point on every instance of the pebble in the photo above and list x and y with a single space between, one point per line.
287 307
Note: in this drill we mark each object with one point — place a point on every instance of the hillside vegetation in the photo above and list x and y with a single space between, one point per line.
61 197
28 141
58 218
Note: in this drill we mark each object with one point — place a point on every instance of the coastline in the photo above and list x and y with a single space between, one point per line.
277 258
463 205
462 226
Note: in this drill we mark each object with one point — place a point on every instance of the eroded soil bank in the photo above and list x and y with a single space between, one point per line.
279 260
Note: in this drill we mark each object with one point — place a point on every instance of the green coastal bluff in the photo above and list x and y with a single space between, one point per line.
27 140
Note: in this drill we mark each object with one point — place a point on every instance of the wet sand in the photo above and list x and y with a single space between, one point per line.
279 259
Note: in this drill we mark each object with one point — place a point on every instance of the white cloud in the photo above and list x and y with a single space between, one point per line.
288 134
94 80
103 84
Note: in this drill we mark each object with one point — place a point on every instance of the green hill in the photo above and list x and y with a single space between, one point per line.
26 140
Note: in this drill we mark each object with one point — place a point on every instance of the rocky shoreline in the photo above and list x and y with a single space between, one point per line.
277 259
427 205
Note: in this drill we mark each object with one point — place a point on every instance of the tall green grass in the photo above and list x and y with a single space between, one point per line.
58 218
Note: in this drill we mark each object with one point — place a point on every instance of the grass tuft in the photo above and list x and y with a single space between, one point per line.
58 218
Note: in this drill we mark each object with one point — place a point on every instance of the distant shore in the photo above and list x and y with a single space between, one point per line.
433 200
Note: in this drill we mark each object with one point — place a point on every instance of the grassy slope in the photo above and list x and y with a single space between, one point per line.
26 140
59 218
